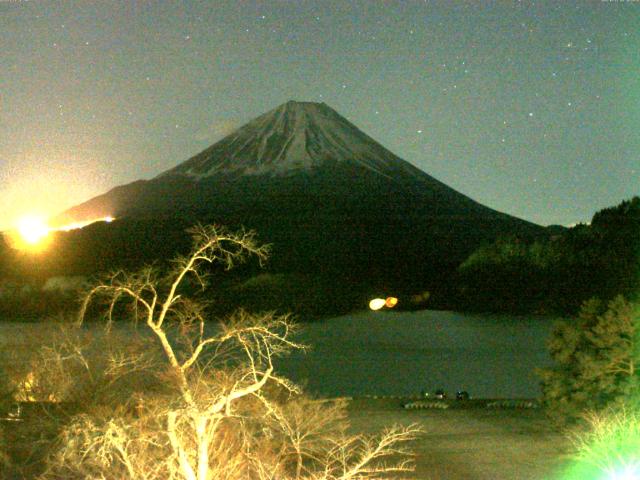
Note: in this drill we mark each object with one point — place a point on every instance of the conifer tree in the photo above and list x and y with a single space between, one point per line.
596 360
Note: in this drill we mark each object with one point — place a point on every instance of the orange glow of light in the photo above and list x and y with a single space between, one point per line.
391 302
32 229
32 232
74 226
77 225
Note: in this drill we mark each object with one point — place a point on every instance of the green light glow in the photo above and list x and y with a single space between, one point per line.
610 450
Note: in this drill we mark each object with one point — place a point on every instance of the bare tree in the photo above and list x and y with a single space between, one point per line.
217 408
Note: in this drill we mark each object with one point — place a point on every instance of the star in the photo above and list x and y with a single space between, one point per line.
236 58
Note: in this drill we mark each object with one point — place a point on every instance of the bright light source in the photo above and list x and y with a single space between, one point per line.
32 230
377 303
30 233
629 472
391 302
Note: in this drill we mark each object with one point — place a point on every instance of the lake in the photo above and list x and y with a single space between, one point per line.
397 353
402 353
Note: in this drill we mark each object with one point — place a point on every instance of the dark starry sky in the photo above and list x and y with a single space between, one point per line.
532 108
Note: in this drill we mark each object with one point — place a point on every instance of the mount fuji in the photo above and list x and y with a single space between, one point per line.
328 196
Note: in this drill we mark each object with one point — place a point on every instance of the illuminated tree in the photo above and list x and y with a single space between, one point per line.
596 360
196 401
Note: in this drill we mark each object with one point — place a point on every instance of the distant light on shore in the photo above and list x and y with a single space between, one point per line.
377 303
391 302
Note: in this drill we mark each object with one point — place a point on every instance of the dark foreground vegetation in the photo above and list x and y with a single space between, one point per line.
559 273
323 273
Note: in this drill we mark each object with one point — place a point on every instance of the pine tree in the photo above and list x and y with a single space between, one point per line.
596 360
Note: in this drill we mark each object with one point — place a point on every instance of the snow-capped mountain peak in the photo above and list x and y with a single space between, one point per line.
292 138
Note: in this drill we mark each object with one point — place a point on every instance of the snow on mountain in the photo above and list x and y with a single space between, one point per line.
292 138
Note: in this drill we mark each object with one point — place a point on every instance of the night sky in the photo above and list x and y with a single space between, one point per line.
531 108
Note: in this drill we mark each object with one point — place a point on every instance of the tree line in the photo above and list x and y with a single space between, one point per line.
556 274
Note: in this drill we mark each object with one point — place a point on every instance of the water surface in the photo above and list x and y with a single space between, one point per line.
402 353
391 353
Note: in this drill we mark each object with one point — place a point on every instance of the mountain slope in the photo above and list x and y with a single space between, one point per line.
298 149
331 200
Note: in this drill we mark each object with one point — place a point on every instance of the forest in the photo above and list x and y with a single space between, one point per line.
556 274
